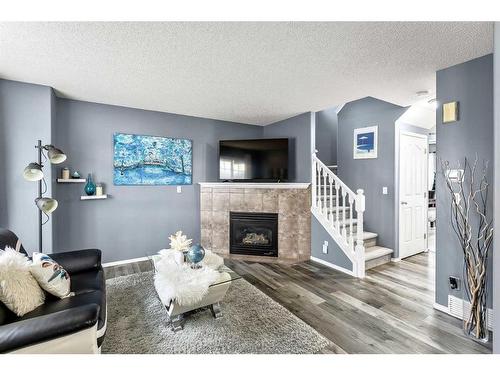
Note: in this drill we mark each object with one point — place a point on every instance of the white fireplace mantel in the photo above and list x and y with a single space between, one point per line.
256 185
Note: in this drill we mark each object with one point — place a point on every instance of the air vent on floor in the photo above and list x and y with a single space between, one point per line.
457 307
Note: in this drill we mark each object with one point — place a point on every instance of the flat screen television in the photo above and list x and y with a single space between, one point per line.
257 160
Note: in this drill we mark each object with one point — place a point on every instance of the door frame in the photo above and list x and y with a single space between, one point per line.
399 133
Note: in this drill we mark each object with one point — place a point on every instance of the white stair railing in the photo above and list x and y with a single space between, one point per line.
340 211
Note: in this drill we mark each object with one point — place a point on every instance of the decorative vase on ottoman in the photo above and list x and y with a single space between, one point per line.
89 186
195 255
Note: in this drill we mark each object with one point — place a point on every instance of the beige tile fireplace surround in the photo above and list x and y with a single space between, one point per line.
291 201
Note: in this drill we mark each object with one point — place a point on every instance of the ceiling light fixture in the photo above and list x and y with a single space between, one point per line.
422 93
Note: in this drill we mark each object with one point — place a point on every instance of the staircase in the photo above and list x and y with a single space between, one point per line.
340 212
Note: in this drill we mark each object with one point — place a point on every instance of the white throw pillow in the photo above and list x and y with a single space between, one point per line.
50 275
19 290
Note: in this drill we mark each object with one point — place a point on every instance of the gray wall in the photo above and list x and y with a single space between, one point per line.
136 219
325 141
496 253
25 117
471 84
371 174
326 135
298 131
335 255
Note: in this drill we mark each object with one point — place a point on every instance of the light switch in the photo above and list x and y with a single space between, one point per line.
325 247
179 189
384 190
455 174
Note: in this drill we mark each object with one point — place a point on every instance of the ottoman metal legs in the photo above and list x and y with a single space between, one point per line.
216 310
177 322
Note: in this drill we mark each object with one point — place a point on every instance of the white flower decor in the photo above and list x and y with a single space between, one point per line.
179 241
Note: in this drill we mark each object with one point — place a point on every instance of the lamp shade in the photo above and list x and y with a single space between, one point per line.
56 156
33 172
47 205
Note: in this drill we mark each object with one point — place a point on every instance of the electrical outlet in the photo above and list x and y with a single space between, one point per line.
384 190
179 189
454 283
325 247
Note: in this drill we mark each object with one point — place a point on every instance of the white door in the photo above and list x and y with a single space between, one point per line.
412 194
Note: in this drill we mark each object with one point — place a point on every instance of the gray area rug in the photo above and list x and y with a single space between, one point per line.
252 323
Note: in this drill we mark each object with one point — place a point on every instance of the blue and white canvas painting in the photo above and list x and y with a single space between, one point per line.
151 160
365 142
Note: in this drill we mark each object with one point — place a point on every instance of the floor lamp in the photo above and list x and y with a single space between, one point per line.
34 172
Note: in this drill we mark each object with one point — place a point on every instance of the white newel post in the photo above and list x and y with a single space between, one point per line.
314 180
360 248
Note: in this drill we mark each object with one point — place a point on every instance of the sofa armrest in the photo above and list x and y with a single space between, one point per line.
79 260
46 327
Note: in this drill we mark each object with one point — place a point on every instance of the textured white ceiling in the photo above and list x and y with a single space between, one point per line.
255 73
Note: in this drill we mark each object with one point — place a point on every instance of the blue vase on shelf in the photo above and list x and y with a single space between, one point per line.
195 255
89 186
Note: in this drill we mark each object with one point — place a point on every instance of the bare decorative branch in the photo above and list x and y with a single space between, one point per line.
469 198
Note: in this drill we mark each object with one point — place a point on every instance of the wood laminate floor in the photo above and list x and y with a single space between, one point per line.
389 311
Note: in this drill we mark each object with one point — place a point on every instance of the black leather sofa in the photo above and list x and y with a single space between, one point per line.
75 324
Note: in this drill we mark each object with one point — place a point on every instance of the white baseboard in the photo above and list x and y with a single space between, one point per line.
125 261
441 308
456 306
395 260
331 265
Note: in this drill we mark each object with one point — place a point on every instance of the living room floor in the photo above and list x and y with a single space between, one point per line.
390 311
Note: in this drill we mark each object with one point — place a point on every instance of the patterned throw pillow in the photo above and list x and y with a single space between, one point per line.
19 290
50 275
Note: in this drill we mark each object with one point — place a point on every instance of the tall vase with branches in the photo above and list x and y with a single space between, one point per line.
474 229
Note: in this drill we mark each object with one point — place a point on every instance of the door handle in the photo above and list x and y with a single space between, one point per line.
404 203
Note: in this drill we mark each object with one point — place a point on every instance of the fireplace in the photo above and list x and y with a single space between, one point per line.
253 233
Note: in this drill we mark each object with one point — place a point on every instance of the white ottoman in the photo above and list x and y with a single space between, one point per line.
216 292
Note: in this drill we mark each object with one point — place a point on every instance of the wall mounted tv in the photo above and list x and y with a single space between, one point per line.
257 160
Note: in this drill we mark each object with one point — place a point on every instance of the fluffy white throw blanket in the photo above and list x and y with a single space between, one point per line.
177 281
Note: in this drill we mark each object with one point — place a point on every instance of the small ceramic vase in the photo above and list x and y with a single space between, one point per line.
90 186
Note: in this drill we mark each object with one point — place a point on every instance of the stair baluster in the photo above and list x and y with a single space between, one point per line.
331 209
315 182
344 222
351 218
325 205
337 213
331 181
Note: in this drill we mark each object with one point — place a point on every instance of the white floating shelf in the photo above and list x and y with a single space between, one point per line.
93 197
70 180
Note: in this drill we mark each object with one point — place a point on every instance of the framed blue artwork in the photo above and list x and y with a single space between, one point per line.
151 160
365 143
